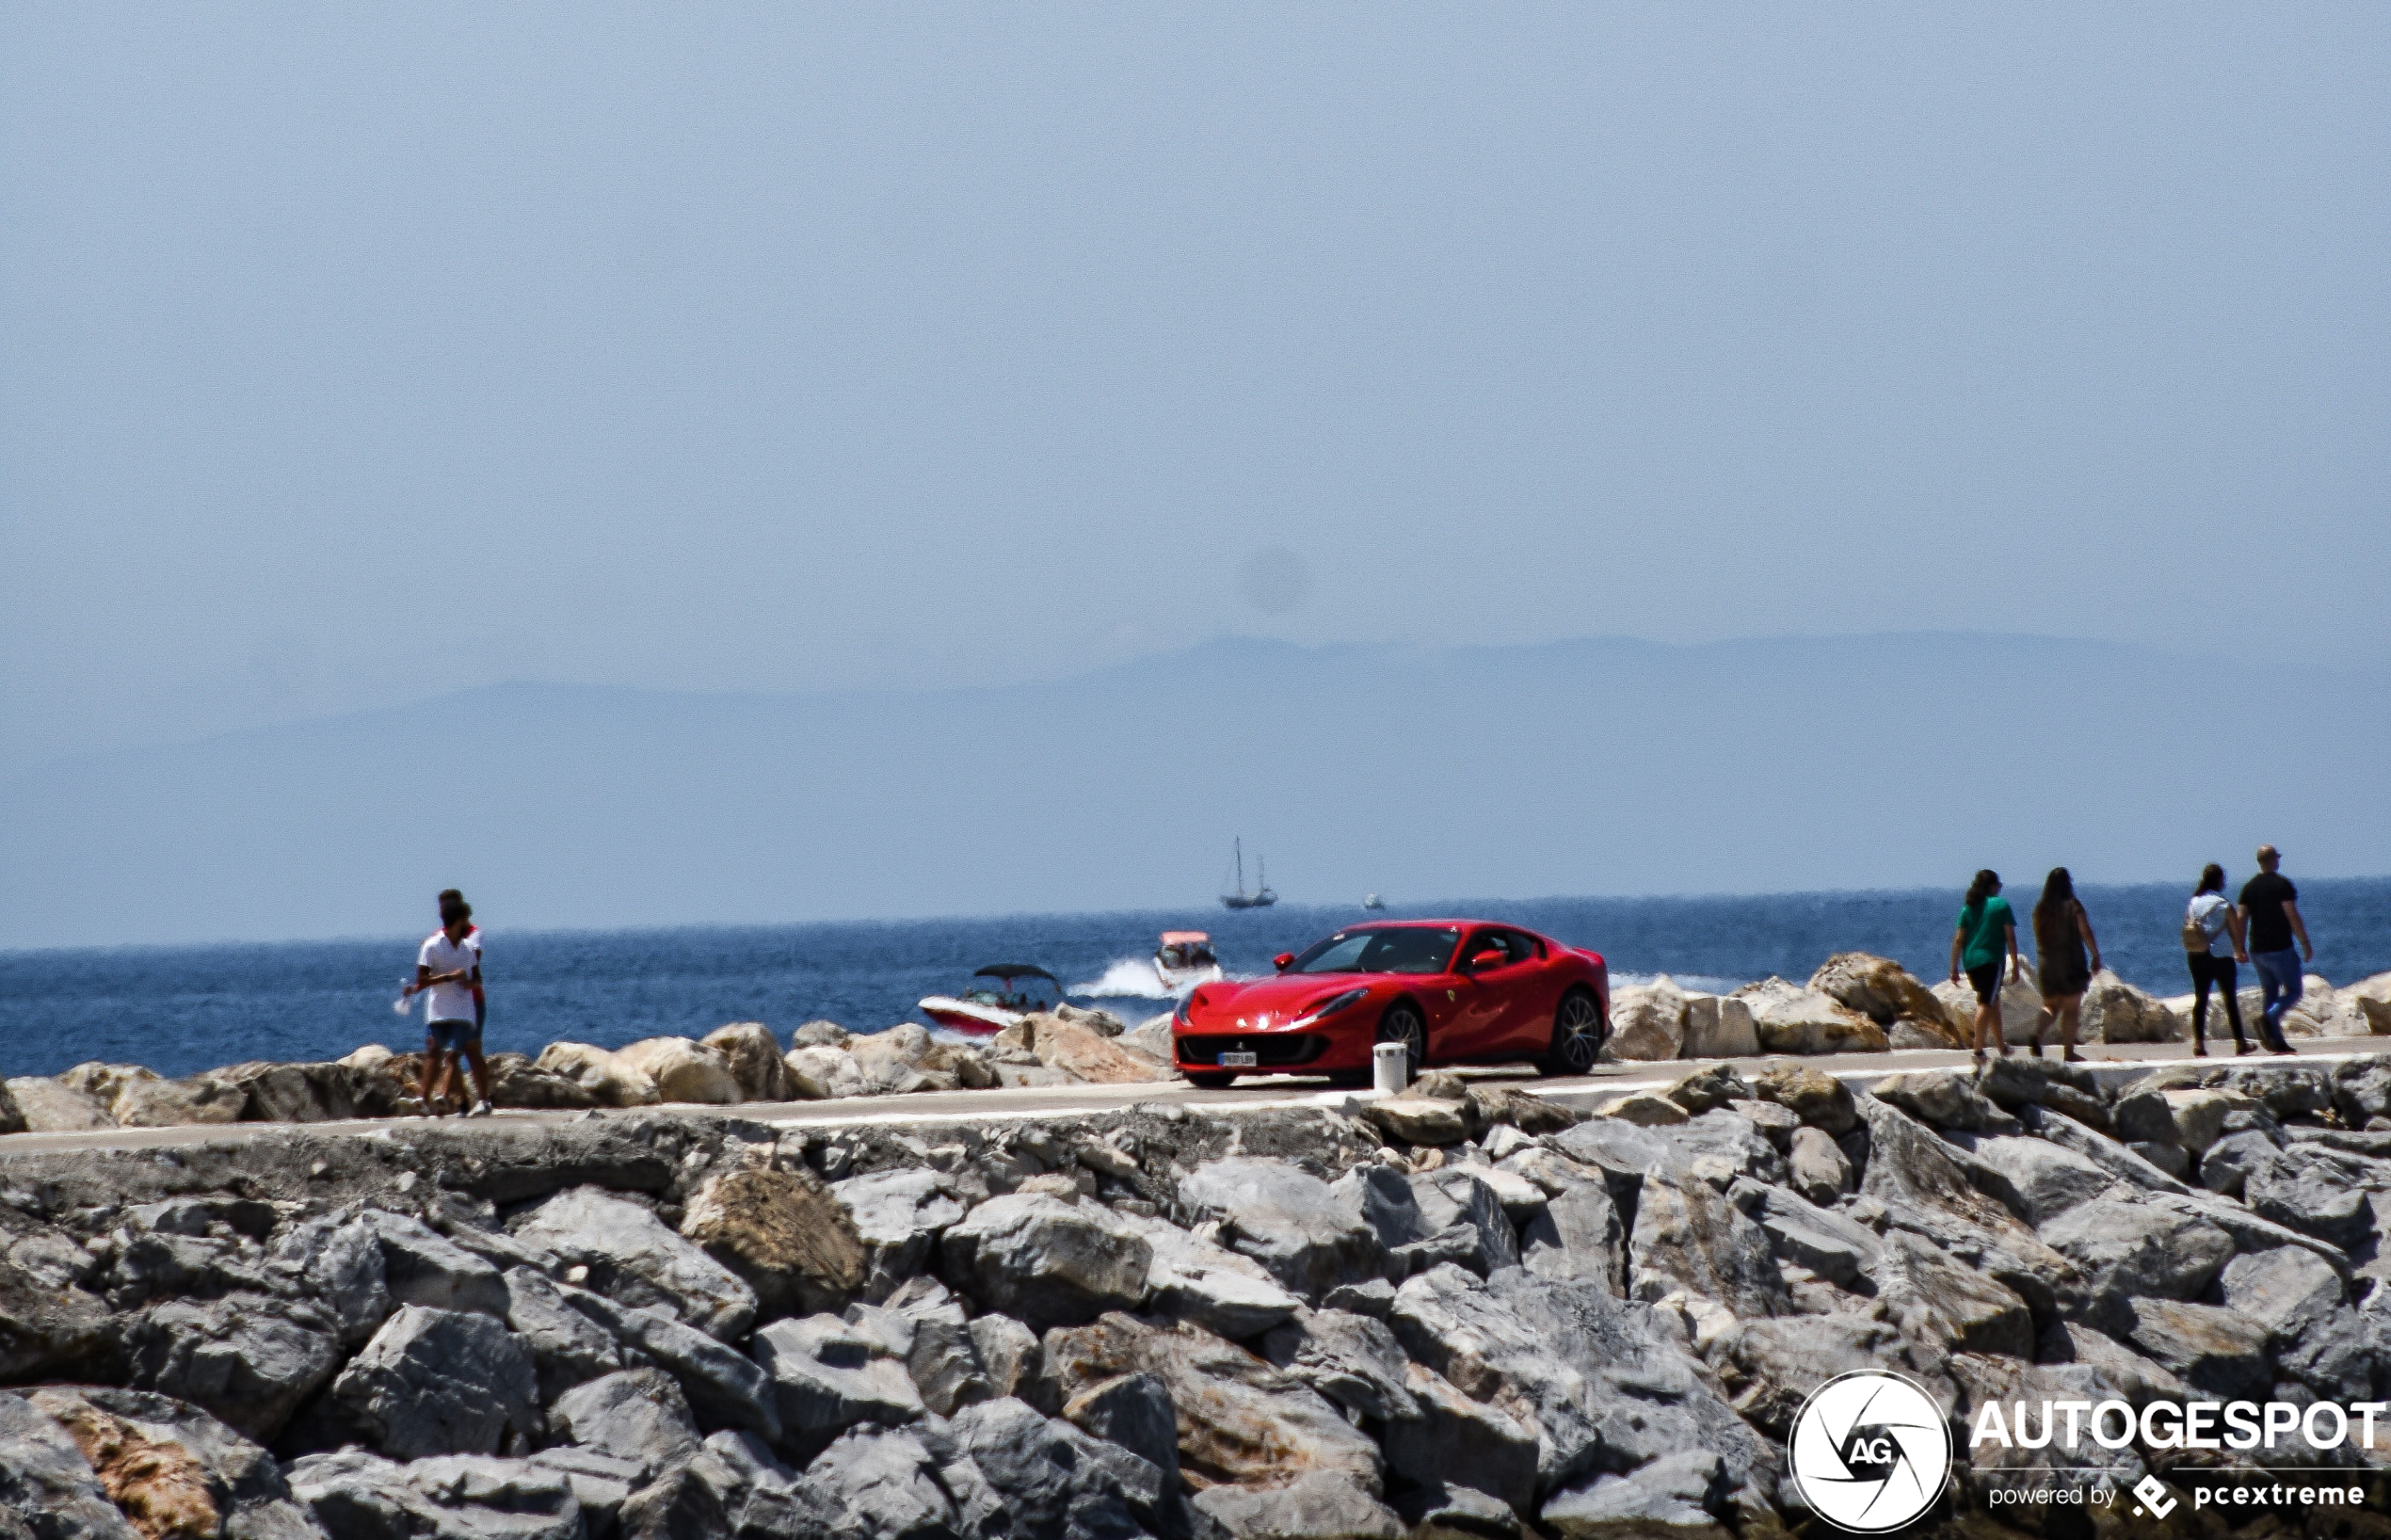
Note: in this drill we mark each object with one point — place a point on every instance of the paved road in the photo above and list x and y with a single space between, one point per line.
2123 1061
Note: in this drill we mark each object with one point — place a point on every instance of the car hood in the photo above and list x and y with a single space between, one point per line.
1280 997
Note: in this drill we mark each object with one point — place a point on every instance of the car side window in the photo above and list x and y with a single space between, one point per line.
1522 946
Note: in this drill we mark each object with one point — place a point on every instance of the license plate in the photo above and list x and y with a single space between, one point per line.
1240 1061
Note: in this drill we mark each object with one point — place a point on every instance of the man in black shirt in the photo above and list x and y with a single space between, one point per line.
2270 910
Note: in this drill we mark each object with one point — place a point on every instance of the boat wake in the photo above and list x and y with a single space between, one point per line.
1133 978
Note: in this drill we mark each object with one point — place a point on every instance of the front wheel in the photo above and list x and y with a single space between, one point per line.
1402 1024
1211 1082
1577 1032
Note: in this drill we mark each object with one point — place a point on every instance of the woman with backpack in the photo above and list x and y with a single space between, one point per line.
2213 943
2063 931
1987 928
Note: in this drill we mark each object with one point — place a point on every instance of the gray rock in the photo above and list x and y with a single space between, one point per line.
1457 1194
1450 1322
2249 1231
942 1358
638 1416
2298 1298
342 1261
46 1106
1924 1189
1935 1300
1730 1139
249 1359
438 1381
1242 1421
420 1266
1705 1090
1045 1261
44 1479
1455 1441
1284 1218
2173 1159
1817 1167
1056 1481
2068 1133
2040 1181
568 1347
2226 1165
1134 1411
1008 1353
1219 1289
1945 1098
1826 1242
881 1487
1771 1367
1670 1495
1321 1506
1577 1235
2023 1394
1689 1237
1622 1151
2138 1379
360 1496
2209 1349
635 1259
1776 1124
601 1484
1372 1297
1436 1511
724 1387
2322 1194
827 1375
164 1448
1812 1094
1351 1359
900 1215
2125 1250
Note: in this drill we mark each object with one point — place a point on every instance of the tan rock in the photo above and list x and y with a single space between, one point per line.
367 1056
51 1106
1789 1019
516 1081
890 1061
1086 1054
156 1485
2117 1012
103 1081
1817 1097
2324 1012
684 1071
1885 992
1416 1119
2021 1009
612 1082
783 1231
1645 1108
2371 999
154 1103
819 1072
1647 1021
754 1057
292 1093
961 1063
1719 1027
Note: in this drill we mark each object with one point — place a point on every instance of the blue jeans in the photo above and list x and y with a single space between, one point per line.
2278 987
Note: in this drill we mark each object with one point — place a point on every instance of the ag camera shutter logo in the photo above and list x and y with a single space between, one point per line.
1870 1451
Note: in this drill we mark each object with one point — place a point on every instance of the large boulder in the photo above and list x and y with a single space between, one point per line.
45 1477
1285 1219
1057 1482
2021 1007
1453 1440
2371 999
1314 1507
516 1081
633 1258
823 1071
1957 1309
292 1093
51 1106
1242 1421
1219 1289
1817 1166
438 1381
1647 1021
2129 1250
609 1081
782 1231
638 1416
1823 1240
1924 1189
754 1057
341 1261
1795 1020
420 1266
360 1496
1945 1098
2041 1180
172 1469
148 1102
1719 1027
827 1375
723 1386
567 1346
899 1216
1352 1359
891 1062
1885 992
683 1071
1085 1053
1047 1261
2117 1012
1815 1097
2209 1348
1689 1238
249 1359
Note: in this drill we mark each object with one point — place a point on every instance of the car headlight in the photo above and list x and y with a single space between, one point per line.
1330 1007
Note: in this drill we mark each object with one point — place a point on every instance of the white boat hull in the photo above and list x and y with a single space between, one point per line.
969 1017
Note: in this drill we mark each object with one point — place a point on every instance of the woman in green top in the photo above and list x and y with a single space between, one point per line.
1986 928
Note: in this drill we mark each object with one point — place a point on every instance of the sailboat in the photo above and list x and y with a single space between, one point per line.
1262 897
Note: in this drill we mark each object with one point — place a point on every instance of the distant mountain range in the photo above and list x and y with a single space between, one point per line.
1596 766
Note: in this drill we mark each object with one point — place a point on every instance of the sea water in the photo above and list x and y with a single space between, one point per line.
183 1009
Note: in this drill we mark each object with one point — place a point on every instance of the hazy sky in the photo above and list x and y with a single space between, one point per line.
349 354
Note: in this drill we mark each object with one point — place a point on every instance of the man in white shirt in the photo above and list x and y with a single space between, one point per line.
449 966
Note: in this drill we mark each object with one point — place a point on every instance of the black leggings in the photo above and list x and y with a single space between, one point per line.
2206 971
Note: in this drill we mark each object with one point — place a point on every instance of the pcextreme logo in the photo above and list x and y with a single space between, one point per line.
1870 1451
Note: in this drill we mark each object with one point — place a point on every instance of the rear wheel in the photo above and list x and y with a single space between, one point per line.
1402 1024
1577 1032
1210 1083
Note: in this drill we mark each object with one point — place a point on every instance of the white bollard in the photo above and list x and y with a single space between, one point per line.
1390 1070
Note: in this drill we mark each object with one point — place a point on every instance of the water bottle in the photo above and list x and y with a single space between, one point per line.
406 1001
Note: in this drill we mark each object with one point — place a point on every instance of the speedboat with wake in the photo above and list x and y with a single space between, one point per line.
985 1010
1184 960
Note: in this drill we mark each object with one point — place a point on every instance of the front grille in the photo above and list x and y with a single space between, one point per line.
1267 1048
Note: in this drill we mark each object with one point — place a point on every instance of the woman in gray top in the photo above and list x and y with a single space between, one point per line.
2213 943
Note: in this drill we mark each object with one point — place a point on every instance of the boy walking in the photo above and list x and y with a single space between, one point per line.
449 964
2270 910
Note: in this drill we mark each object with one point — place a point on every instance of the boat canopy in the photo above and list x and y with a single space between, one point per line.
1009 972
1184 937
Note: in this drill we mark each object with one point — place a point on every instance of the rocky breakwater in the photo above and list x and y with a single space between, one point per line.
737 1064
1459 1312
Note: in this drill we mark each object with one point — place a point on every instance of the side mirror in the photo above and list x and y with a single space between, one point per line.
1282 961
1491 957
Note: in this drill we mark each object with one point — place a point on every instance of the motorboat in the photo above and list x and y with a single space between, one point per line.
1372 901
1185 959
983 1010
1261 898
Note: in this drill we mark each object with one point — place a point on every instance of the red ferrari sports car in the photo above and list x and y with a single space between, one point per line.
1450 990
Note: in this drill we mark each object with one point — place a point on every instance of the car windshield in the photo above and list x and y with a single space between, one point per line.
1410 949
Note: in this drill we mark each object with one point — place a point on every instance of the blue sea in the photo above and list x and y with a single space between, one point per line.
181 1009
